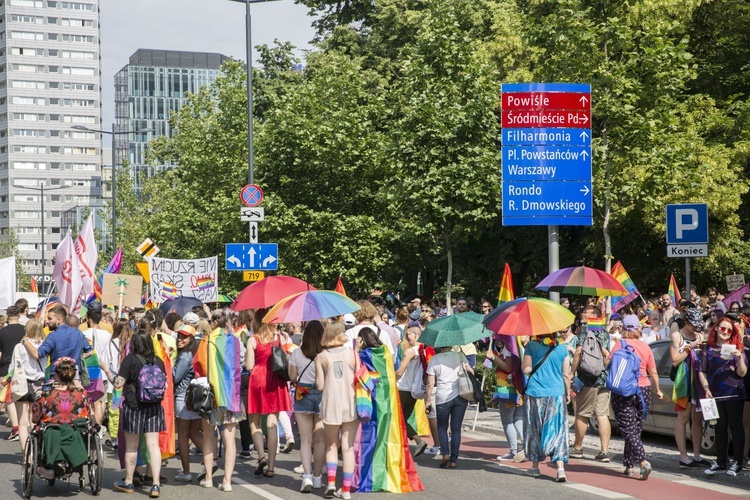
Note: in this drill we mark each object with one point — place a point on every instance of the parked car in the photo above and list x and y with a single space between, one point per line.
663 416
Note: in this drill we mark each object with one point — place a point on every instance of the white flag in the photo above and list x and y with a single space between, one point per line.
67 274
7 282
87 256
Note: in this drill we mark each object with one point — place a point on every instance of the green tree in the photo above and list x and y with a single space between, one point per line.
9 248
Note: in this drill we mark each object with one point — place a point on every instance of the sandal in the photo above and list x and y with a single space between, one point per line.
269 473
444 461
262 464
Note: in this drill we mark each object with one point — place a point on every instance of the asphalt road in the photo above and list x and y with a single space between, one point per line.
479 476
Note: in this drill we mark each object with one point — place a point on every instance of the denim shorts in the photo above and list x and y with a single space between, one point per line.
310 402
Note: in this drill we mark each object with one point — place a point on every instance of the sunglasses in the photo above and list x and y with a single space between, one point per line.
724 329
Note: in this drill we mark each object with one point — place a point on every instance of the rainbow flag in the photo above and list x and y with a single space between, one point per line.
622 276
33 286
674 291
506 287
340 287
205 283
95 388
382 455
685 381
168 290
224 368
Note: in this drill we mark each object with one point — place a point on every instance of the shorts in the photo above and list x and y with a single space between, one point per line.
181 412
310 403
592 401
147 418
433 414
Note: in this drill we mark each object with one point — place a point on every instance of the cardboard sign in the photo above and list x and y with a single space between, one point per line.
174 278
735 281
127 286
709 409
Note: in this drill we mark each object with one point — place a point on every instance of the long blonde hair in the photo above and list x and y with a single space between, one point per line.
262 331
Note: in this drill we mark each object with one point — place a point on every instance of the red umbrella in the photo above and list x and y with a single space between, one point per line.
582 281
269 291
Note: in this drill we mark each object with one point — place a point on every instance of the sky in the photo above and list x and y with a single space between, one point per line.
191 25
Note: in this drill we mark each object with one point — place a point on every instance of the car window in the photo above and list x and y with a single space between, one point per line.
660 349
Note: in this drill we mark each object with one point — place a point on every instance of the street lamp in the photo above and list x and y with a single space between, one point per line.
41 190
114 168
249 52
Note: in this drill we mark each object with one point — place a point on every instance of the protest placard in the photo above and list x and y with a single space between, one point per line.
126 286
174 278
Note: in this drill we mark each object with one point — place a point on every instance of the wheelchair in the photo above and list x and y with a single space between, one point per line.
91 469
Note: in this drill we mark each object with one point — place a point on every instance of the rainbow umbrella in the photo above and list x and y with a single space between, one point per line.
307 306
269 291
582 281
528 316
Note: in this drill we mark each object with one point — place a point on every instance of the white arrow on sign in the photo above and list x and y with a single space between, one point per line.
583 100
252 214
269 260
584 190
584 136
585 119
234 260
585 155
252 253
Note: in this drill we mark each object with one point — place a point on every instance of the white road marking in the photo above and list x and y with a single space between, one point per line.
255 489
718 488
596 491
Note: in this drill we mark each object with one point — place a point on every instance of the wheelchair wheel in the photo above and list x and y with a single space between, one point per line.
95 464
30 457
51 482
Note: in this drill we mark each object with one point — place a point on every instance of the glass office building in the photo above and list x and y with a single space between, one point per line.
49 83
154 84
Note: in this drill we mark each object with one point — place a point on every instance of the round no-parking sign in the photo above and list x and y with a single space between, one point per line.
251 195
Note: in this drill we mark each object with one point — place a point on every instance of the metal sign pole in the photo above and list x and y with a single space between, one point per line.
553 241
687 278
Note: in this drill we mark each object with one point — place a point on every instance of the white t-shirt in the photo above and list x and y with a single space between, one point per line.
445 367
297 358
99 339
33 368
650 335
353 332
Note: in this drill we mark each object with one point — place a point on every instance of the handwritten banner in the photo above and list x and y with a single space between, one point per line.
174 278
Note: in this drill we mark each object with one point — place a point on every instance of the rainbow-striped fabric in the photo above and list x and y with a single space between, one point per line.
168 290
674 291
384 462
205 283
225 372
506 287
622 276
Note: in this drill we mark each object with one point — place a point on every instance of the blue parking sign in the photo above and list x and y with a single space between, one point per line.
687 224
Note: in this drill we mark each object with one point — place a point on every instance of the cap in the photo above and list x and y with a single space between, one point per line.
630 322
615 317
417 300
349 320
187 330
191 319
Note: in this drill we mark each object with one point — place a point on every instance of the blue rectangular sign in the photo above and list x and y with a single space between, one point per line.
555 163
251 256
546 136
687 224
546 87
532 203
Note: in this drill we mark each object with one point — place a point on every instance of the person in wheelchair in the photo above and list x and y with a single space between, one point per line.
60 412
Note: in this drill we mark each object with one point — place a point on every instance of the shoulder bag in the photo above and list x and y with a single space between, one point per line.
465 384
199 397
279 362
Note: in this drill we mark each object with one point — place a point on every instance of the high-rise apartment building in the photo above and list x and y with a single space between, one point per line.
49 83
152 85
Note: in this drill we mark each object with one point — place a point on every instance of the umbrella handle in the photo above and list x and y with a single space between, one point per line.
484 377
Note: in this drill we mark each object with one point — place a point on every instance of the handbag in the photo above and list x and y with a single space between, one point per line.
465 385
279 362
19 386
199 397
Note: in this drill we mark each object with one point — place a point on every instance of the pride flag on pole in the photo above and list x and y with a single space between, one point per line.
506 287
619 273
340 287
674 291
33 286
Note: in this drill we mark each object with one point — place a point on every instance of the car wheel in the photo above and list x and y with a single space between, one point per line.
708 443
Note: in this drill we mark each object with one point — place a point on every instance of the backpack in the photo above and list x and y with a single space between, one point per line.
152 383
622 378
592 361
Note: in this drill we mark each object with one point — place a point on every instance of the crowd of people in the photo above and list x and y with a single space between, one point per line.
203 377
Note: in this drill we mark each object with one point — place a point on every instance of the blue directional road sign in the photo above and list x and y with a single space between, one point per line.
546 136
687 224
549 203
547 163
251 256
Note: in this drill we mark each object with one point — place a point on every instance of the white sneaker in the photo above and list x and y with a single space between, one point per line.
317 482
507 456
299 469
561 478
432 450
307 484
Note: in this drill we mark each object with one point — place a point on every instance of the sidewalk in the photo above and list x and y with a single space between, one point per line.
662 459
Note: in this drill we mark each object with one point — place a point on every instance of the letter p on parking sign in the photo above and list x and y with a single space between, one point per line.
687 224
